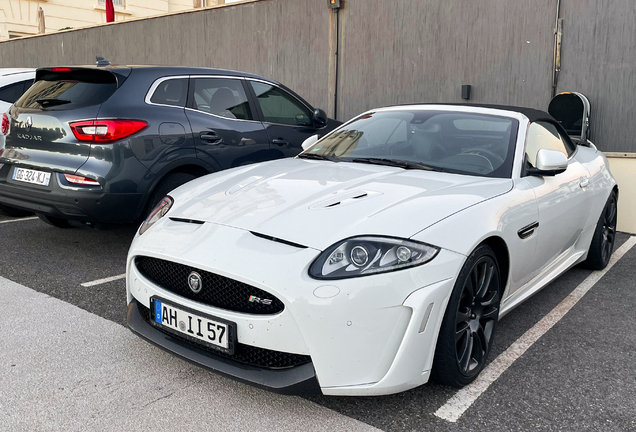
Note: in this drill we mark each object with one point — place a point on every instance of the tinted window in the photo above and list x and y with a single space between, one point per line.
222 97
280 107
68 91
544 135
448 141
171 92
12 92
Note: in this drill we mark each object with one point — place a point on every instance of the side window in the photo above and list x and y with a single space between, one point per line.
12 92
171 92
544 135
279 106
223 97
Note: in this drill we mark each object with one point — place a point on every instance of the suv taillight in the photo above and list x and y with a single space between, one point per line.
5 124
106 131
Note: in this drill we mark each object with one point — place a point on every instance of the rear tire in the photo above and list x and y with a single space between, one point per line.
14 212
604 237
470 321
55 221
165 186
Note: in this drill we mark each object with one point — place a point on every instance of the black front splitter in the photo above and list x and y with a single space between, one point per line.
298 380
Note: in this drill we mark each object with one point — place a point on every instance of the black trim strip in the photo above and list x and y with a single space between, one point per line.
275 239
192 221
528 230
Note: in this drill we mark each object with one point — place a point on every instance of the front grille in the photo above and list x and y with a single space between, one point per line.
217 290
245 354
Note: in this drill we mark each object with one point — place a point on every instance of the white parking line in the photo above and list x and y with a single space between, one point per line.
103 281
18 220
455 407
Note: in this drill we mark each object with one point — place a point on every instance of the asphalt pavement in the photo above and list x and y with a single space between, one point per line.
67 361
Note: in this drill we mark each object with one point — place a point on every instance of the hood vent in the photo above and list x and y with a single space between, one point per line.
342 199
237 187
192 221
278 240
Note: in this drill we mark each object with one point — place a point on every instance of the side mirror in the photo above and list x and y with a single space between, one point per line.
309 142
549 163
320 119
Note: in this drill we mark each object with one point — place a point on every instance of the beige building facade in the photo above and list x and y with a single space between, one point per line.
20 17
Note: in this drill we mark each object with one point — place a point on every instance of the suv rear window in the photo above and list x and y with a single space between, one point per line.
68 90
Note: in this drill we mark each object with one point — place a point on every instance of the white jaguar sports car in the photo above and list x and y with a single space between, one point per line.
379 258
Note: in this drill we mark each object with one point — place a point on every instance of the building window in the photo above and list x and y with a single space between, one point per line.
115 2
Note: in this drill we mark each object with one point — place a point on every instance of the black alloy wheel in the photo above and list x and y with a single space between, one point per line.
476 315
602 245
609 229
470 321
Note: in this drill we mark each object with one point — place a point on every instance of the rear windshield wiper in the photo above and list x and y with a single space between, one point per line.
397 163
52 101
319 156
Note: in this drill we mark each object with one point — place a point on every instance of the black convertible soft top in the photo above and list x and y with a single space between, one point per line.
532 114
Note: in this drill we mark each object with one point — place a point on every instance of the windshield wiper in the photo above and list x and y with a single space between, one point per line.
52 101
319 157
397 163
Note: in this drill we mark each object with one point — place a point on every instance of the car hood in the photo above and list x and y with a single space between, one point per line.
317 203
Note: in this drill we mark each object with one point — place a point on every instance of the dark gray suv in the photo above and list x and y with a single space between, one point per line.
100 145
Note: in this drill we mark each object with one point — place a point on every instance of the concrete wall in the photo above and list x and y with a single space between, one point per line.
423 51
599 60
263 37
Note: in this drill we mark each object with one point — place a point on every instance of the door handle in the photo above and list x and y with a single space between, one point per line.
210 137
584 183
280 142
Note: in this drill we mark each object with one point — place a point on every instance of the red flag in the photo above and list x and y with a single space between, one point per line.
110 11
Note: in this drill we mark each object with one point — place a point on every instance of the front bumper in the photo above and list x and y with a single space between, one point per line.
365 336
297 380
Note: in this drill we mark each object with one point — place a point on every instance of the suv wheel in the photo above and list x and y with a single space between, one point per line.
165 186
55 221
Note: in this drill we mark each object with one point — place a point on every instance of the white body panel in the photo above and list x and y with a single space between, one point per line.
375 334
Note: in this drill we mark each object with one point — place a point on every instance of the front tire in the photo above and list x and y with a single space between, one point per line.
604 237
470 321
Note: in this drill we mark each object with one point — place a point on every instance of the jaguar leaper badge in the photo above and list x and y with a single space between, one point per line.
195 282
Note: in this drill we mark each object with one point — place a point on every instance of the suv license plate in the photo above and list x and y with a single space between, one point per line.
31 176
211 331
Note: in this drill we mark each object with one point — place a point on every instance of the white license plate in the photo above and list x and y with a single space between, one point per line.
208 330
32 176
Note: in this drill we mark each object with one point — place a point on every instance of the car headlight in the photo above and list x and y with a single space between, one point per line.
159 212
367 255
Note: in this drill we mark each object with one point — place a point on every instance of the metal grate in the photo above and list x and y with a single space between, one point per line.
217 290
246 354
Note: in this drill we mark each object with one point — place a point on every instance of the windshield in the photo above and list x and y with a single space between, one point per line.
459 142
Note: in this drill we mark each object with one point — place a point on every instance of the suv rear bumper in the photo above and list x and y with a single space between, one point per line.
92 205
